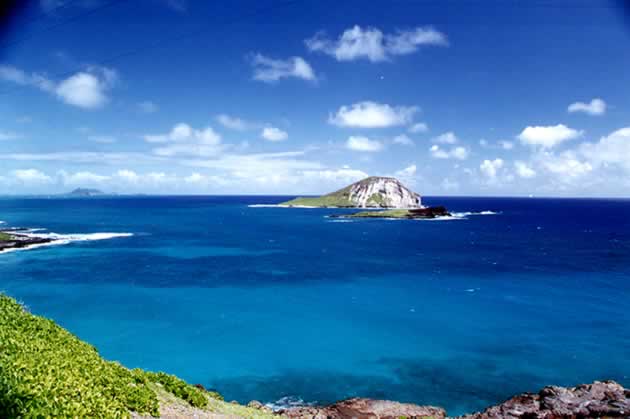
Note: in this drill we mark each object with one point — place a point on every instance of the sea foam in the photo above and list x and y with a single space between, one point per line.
62 239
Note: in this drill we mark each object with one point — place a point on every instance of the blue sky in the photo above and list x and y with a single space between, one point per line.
295 97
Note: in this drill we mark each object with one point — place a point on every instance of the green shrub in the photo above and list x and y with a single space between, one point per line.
45 371
194 396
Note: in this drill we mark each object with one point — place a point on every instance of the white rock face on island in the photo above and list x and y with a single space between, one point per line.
372 192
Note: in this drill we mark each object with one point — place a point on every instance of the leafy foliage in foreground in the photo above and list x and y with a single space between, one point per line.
45 371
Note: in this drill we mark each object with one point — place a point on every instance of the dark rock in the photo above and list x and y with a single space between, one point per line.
365 408
429 212
598 400
19 241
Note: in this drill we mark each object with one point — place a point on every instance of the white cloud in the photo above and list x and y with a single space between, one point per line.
271 70
373 45
595 107
506 145
523 170
81 178
344 175
148 107
407 172
490 167
419 127
358 143
234 123
369 114
183 139
611 150
31 176
459 153
548 136
274 134
446 138
85 89
567 165
402 140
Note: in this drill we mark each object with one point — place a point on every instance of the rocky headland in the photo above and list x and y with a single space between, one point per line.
371 192
14 239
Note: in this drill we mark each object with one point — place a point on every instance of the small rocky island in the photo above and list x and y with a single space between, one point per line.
15 238
386 195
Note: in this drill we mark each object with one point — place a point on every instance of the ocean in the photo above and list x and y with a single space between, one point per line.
286 305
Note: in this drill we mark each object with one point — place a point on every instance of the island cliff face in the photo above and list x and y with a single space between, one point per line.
372 192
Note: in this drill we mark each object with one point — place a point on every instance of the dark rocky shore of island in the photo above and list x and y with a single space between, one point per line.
601 399
14 238
409 214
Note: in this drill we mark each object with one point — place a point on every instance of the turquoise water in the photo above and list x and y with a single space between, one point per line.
266 303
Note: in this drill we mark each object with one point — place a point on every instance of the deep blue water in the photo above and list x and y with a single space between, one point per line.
263 303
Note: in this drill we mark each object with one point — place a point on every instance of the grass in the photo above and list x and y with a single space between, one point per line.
395 213
45 371
4 237
322 201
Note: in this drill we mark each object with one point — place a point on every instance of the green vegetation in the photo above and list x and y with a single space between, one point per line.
4 237
377 200
45 371
341 198
395 213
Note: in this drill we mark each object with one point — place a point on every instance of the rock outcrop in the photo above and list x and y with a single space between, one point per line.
605 399
371 192
365 408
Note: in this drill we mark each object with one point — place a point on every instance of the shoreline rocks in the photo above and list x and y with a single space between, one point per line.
411 213
600 399
20 241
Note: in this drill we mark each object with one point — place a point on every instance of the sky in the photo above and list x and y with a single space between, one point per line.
490 98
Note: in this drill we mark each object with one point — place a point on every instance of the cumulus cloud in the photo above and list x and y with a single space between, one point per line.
358 143
86 89
372 44
233 123
271 70
408 171
446 138
402 140
458 153
369 114
344 175
490 168
418 128
31 176
594 107
274 134
610 150
83 178
506 145
548 136
567 165
183 139
523 170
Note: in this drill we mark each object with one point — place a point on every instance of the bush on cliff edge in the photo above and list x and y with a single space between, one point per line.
45 371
